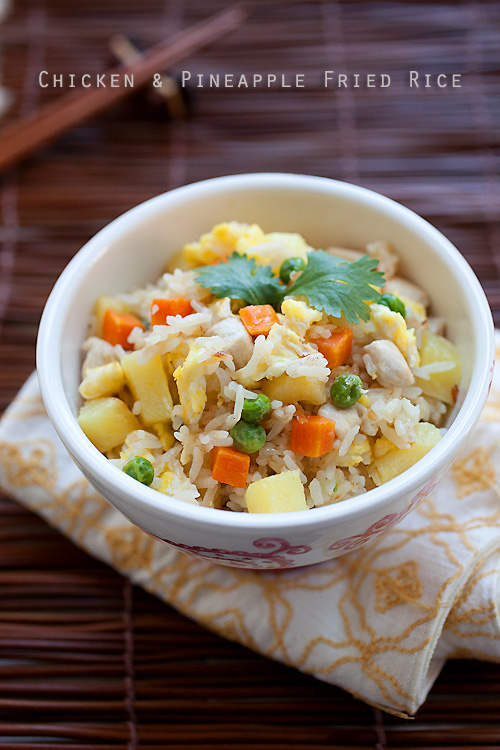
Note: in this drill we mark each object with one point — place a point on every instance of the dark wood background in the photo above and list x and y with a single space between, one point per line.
86 660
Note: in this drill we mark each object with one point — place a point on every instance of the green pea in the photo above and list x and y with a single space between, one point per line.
289 266
248 438
141 469
393 303
256 409
346 390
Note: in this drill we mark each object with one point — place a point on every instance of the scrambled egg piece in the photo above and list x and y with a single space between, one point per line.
166 480
221 242
204 357
234 236
357 453
280 352
273 248
106 380
391 325
298 317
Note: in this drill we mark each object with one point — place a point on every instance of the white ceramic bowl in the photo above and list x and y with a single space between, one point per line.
133 249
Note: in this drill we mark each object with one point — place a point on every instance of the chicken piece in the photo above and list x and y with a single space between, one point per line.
391 325
345 253
221 309
437 325
380 250
386 256
344 418
384 362
237 340
397 285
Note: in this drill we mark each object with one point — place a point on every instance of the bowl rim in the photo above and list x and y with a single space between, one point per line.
369 503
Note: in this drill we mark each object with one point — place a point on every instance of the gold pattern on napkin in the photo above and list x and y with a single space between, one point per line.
379 621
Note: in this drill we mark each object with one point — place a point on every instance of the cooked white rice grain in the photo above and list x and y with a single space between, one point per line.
425 371
196 464
391 434
348 439
216 422
232 389
280 418
209 440
209 497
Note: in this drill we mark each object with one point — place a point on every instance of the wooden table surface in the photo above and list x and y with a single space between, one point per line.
87 660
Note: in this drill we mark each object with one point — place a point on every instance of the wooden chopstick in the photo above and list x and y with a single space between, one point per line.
26 135
126 52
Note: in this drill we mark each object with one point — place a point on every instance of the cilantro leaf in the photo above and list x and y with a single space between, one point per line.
329 283
339 286
242 278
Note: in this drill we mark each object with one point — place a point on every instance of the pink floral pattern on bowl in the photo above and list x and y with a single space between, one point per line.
383 524
271 558
492 372
276 552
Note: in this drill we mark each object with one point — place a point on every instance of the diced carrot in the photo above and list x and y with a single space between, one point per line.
258 319
337 348
312 436
116 327
229 466
163 307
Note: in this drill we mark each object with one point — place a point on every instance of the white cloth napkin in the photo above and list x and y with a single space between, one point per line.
379 622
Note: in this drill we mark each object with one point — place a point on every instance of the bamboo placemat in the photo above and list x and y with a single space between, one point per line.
87 660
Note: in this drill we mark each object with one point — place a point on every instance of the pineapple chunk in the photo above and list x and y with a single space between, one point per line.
169 368
107 422
440 385
280 493
104 303
382 446
287 389
125 395
149 386
391 461
165 433
106 380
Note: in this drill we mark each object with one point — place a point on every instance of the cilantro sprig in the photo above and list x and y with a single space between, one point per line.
338 286
329 283
242 278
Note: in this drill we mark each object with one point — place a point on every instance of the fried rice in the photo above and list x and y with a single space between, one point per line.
213 365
